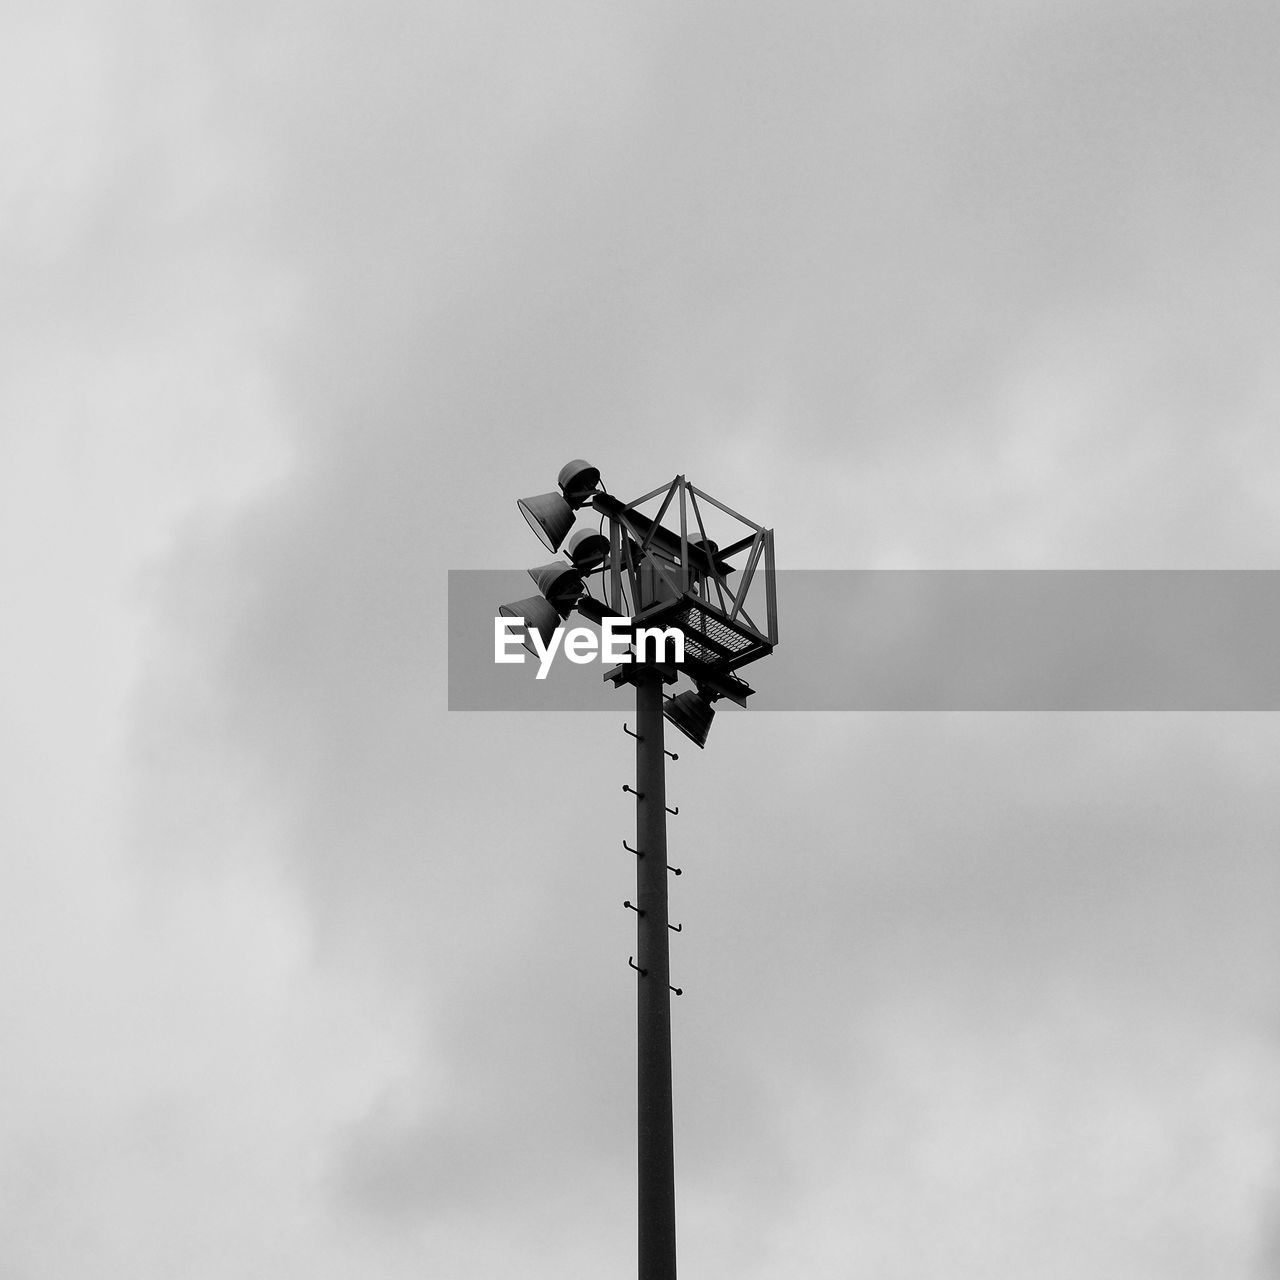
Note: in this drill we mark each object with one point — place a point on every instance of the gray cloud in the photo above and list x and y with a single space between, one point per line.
875 245
920 289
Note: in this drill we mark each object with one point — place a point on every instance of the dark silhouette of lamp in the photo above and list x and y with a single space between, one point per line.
588 549
538 614
691 712
560 583
550 515
578 481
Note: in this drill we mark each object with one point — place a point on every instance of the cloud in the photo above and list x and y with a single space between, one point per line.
326 977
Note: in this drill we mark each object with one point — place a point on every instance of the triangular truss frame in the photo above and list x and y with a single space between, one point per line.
726 624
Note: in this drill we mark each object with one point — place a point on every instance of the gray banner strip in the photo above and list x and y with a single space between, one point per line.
936 640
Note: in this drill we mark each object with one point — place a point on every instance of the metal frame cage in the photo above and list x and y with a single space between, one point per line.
679 577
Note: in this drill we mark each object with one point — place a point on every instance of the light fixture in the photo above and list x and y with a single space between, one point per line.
691 712
560 583
538 614
577 481
549 516
588 549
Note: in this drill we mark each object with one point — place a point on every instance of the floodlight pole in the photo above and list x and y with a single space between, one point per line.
664 578
656 1151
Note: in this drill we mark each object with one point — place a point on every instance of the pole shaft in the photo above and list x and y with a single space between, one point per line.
657 1209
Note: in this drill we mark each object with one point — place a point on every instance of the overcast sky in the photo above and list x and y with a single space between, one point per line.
304 975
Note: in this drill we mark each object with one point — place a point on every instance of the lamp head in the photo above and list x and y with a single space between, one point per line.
588 549
560 583
578 480
538 614
549 516
691 712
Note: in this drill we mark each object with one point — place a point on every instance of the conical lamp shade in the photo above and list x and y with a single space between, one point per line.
539 615
549 516
588 549
560 583
577 481
692 714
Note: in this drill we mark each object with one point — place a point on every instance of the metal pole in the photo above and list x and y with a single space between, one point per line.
657 1223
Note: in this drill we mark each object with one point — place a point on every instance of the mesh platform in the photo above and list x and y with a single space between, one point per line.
712 639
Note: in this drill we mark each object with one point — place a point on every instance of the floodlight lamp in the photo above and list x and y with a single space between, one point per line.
560 583
538 614
588 549
578 480
691 712
549 516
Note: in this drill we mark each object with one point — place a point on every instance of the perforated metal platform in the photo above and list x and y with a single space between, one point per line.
712 640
